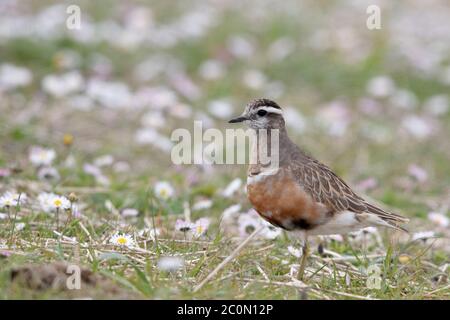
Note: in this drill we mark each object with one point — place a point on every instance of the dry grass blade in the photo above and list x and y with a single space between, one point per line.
228 259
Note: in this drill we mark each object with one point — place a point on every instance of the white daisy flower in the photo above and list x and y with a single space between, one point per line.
110 94
247 224
212 70
19 226
335 237
232 188
121 166
163 190
44 201
41 157
62 85
96 172
7 200
370 230
170 264
417 127
294 251
76 212
206 120
362 233
423 235
92 170
202 204
129 212
231 212
334 118
418 173
254 79
295 119
240 47
404 99
281 48
70 161
67 59
51 202
439 219
200 227
48 173
381 86
12 199
80 102
250 221
270 232
151 233
12 76
149 136
21 197
274 89
123 240
154 119
293 269
221 109
111 207
180 110
437 105
160 97
4 172
103 161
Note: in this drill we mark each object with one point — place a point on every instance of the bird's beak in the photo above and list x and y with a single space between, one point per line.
238 119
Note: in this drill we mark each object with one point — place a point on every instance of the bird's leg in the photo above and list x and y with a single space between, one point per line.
303 259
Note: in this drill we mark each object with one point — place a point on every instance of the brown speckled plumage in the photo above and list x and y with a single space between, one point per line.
329 189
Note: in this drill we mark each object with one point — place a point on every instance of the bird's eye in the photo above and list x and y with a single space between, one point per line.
262 113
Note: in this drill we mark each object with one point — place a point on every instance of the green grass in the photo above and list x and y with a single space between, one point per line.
311 78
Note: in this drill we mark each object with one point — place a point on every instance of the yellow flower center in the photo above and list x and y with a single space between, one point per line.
67 139
164 193
122 240
199 229
404 259
57 202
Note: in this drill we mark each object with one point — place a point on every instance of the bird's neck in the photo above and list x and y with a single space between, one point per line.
271 147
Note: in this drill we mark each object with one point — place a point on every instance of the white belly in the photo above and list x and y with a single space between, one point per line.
343 222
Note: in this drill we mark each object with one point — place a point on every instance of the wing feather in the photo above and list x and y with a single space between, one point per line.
327 188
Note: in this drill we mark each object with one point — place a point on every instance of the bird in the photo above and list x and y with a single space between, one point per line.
301 194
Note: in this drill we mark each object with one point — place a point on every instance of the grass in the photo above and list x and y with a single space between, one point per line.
259 272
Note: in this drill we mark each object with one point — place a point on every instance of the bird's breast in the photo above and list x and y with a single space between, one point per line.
279 199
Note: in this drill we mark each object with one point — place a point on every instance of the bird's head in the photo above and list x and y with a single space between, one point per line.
261 114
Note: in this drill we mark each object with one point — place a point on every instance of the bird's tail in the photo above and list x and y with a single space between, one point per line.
390 219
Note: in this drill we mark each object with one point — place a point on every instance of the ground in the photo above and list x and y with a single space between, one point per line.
371 104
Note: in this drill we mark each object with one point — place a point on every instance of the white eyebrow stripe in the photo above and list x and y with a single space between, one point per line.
271 110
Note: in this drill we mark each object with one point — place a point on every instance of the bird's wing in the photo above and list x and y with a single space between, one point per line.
327 188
